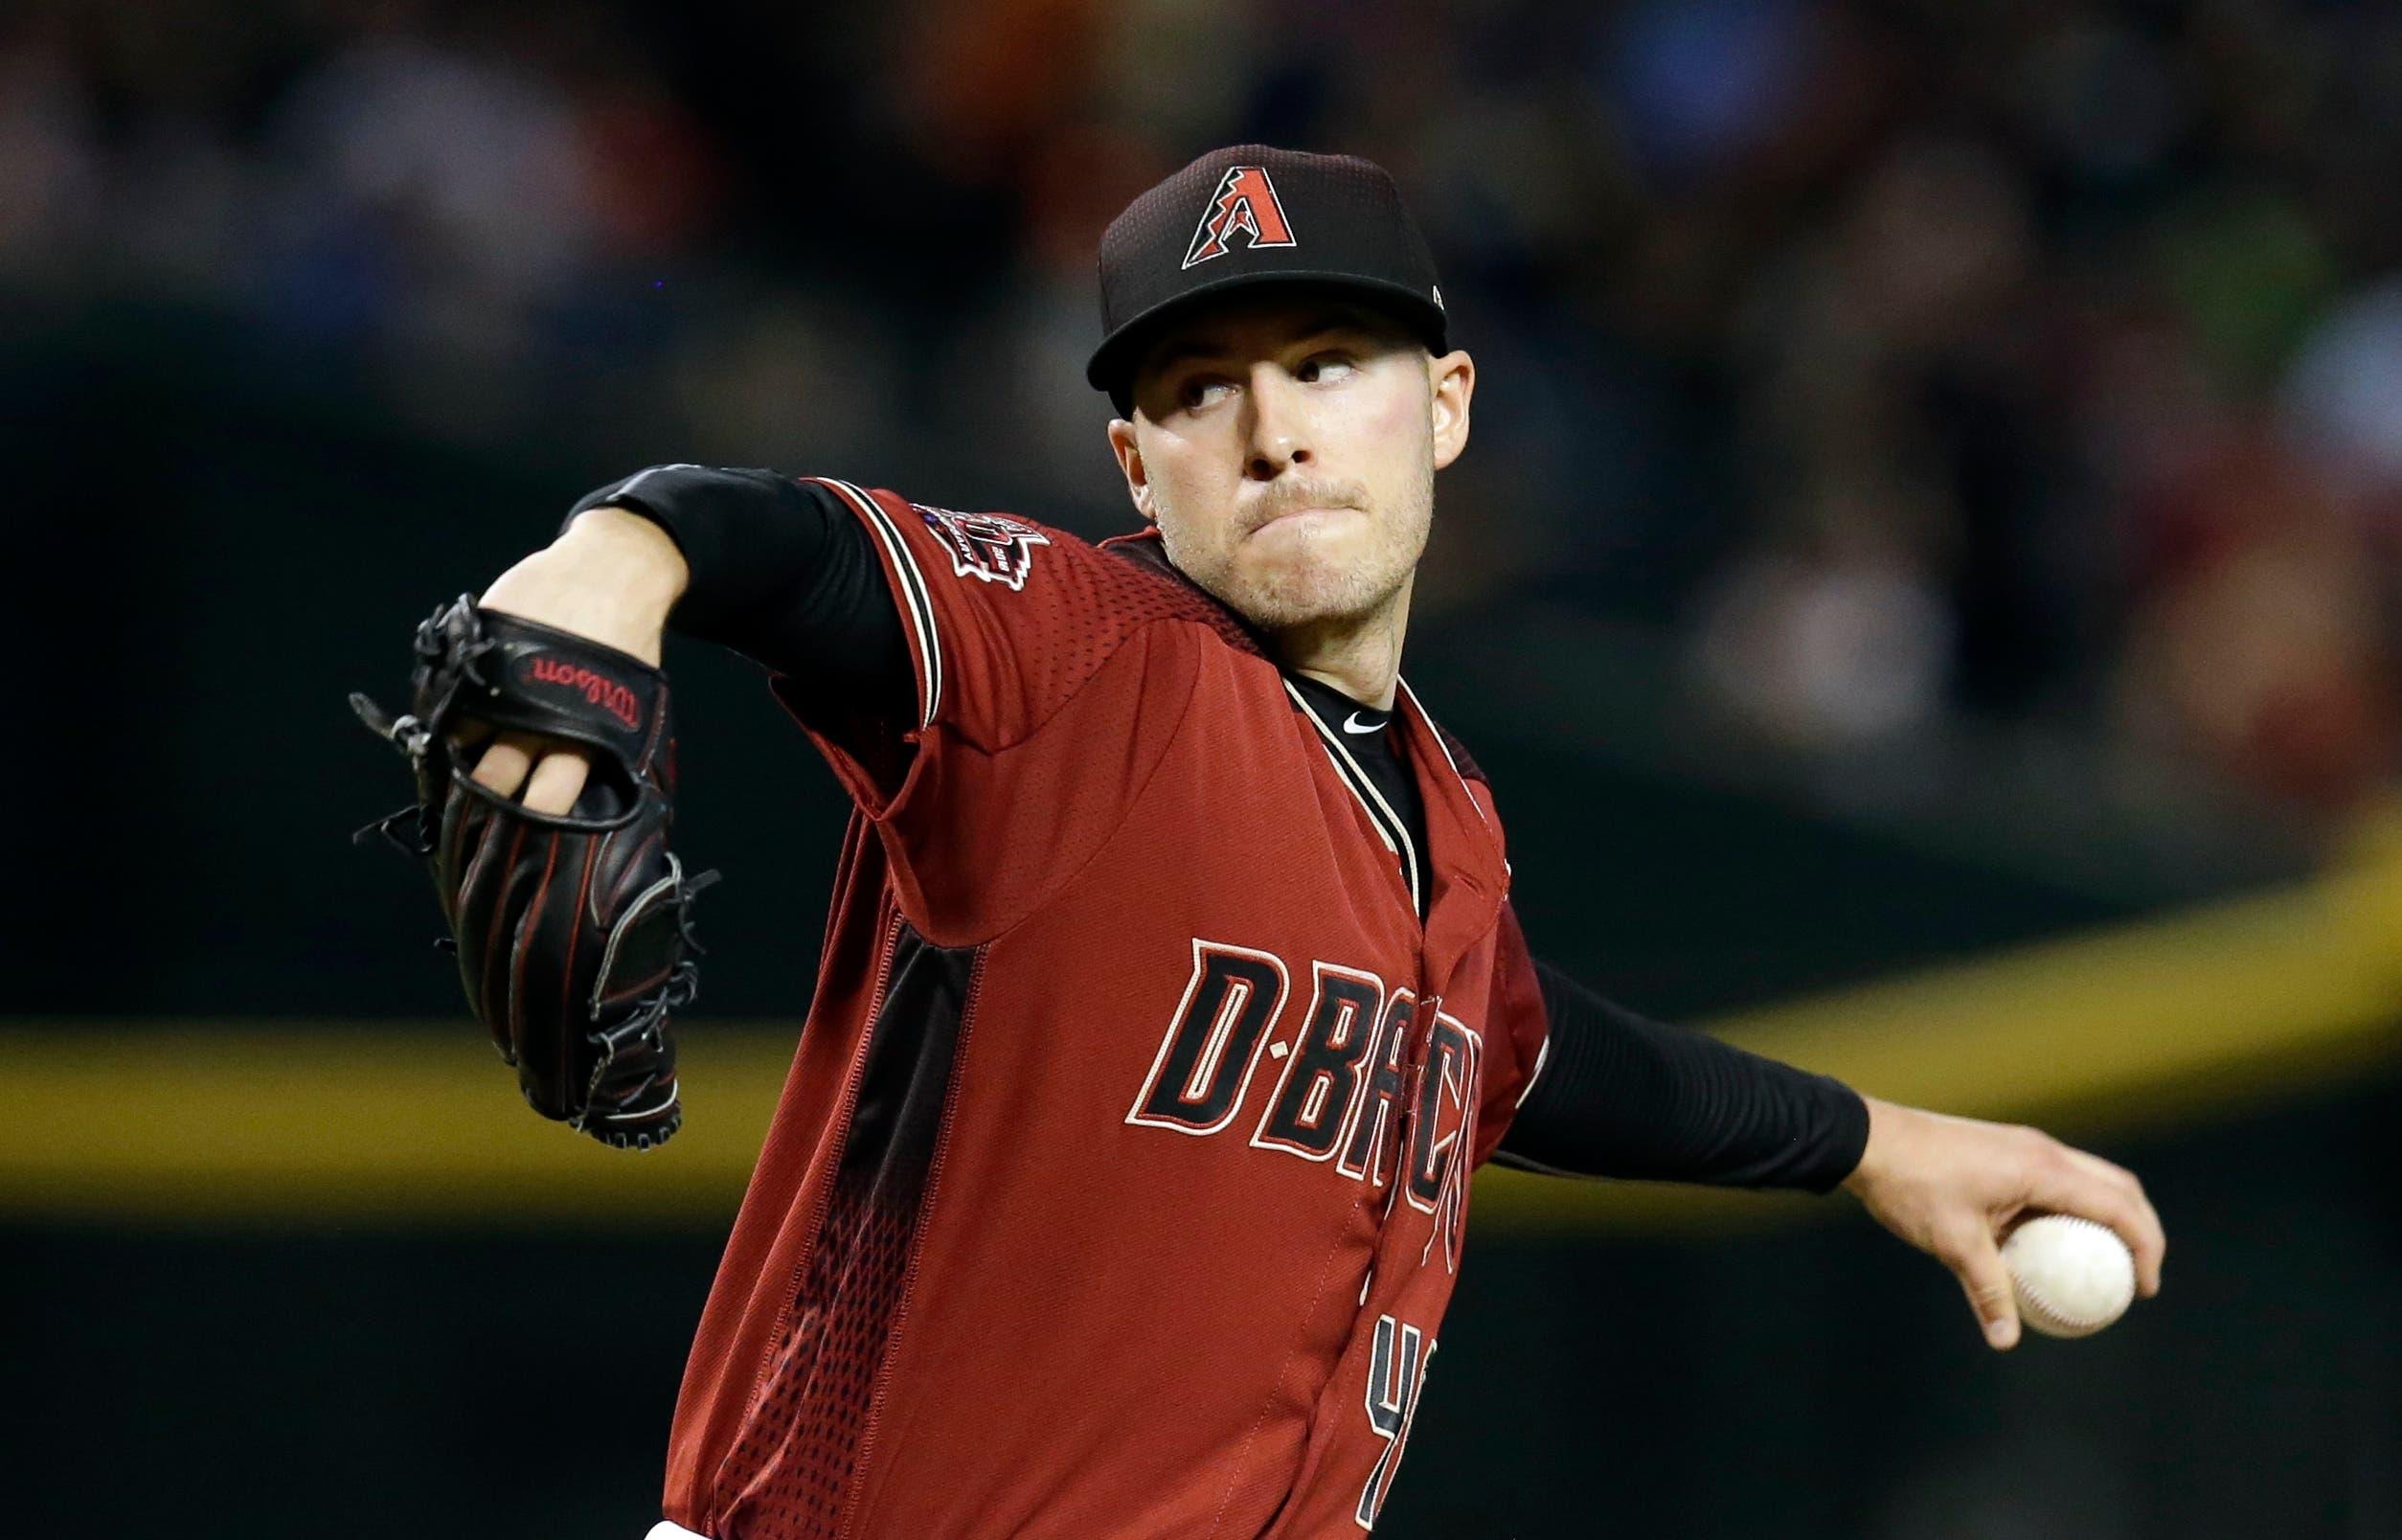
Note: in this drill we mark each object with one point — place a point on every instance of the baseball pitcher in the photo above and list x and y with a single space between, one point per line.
1172 991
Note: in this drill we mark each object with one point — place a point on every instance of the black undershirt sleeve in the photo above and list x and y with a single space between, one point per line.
1622 1096
783 575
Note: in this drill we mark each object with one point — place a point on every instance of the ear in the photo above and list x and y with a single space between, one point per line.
1453 381
1130 452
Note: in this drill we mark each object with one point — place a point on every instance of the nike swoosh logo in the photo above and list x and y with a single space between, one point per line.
1352 724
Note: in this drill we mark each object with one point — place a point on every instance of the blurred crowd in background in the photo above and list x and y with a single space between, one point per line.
1935 486
1894 364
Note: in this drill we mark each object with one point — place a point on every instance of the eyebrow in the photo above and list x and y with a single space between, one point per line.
1338 319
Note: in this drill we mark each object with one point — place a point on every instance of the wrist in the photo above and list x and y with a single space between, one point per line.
1878 1145
637 556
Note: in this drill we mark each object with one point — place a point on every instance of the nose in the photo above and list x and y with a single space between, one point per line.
1279 424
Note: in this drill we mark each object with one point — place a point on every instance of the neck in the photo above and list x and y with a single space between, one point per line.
1359 655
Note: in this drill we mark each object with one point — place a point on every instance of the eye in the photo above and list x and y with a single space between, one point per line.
1324 366
1198 391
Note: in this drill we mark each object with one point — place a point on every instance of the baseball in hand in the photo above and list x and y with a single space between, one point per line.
2073 1277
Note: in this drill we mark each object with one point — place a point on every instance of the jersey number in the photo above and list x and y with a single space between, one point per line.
1397 1371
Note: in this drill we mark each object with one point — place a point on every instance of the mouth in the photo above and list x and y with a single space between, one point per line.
1296 513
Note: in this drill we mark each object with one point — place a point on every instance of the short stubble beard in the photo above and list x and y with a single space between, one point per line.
1309 592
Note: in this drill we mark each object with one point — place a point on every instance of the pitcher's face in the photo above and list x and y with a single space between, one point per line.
1286 446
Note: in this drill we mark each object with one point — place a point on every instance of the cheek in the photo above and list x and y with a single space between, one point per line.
1391 416
1189 497
1401 418
1397 426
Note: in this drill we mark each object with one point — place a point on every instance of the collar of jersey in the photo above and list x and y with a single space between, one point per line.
1145 548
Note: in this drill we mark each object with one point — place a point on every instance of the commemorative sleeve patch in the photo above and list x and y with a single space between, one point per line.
989 546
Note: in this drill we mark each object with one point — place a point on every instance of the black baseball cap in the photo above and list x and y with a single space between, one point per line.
1248 214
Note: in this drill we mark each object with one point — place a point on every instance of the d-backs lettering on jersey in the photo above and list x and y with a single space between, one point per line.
1118 1184
1340 1084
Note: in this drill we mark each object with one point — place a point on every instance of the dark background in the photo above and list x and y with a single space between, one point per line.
1935 486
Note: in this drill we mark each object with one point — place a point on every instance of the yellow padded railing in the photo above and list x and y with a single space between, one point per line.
2101 1034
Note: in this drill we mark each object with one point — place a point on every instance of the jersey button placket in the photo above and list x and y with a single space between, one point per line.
1413 1095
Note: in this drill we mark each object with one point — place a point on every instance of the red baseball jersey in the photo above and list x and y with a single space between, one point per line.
1118 1184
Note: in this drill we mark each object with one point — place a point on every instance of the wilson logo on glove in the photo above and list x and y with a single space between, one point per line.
596 689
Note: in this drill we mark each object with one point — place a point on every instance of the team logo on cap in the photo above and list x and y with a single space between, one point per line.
1244 204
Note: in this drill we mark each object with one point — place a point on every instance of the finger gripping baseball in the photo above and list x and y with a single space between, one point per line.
572 931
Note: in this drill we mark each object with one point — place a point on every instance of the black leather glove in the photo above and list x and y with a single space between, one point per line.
573 932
